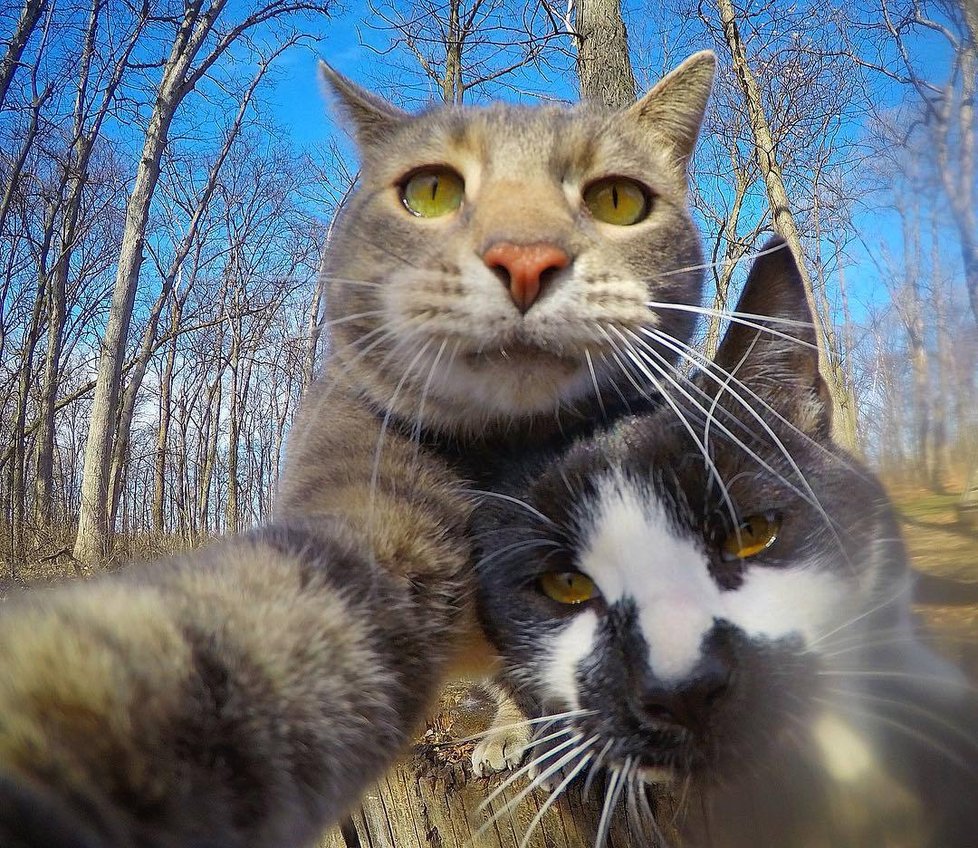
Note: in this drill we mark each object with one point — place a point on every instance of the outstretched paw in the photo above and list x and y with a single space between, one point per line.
500 750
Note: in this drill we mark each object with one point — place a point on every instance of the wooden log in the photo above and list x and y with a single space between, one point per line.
433 800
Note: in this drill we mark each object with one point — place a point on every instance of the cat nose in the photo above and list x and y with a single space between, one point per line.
689 704
525 268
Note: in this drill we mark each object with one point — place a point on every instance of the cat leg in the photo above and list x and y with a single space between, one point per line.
505 742
244 695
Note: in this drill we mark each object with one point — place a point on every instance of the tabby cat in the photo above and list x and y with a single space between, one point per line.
477 280
713 600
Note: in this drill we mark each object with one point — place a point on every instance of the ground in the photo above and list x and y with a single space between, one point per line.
943 547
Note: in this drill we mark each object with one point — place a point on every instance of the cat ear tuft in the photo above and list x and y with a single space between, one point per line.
372 118
673 110
777 357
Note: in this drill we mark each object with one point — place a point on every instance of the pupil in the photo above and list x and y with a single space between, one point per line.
614 196
434 187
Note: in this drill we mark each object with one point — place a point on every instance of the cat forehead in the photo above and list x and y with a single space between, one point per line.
503 134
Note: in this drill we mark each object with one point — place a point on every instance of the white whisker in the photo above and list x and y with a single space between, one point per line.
556 794
524 769
537 781
513 500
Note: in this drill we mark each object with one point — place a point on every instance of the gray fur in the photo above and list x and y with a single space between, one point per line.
246 694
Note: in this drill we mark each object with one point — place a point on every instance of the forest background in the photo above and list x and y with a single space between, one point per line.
168 172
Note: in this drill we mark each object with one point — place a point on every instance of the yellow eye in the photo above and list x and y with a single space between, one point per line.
568 587
756 533
433 192
617 200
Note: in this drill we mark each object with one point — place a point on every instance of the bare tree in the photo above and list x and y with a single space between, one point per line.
465 47
29 17
198 44
604 68
91 109
882 44
783 219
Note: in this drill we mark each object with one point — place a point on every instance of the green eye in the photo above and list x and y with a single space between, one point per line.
433 192
617 200
756 533
568 587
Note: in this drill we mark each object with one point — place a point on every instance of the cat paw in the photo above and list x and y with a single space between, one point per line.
500 750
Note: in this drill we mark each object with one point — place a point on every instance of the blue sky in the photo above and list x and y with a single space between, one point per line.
298 103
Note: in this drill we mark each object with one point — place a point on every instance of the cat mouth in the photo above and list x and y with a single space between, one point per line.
516 354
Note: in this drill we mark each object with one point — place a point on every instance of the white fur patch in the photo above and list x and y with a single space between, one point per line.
633 552
846 755
570 646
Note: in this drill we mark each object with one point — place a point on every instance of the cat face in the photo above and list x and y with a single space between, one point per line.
677 579
490 258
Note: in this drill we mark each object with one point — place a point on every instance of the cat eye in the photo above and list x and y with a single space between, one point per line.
433 192
568 587
755 534
617 200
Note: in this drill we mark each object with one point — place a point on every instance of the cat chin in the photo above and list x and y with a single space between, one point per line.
499 385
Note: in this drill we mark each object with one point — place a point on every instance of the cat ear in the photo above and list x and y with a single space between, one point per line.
777 357
673 110
373 118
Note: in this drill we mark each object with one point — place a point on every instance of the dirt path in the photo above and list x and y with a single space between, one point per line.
940 547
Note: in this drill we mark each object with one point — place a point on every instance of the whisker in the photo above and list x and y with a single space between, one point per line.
612 795
878 674
594 382
707 459
595 766
900 593
524 769
907 730
936 719
706 266
808 494
536 782
740 318
419 417
525 723
556 794
523 545
707 366
375 474
513 500
335 322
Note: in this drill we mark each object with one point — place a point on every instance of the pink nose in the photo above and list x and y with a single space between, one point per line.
524 266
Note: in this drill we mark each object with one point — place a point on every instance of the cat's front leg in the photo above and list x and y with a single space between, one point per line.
242 696
504 744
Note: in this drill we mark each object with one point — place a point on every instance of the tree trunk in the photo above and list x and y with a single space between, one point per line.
29 17
735 251
939 409
44 462
209 437
163 434
18 492
782 218
92 542
603 65
452 89
431 800
959 177
231 517
86 131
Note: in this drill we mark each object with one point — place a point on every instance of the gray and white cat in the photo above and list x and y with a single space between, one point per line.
478 279
715 598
